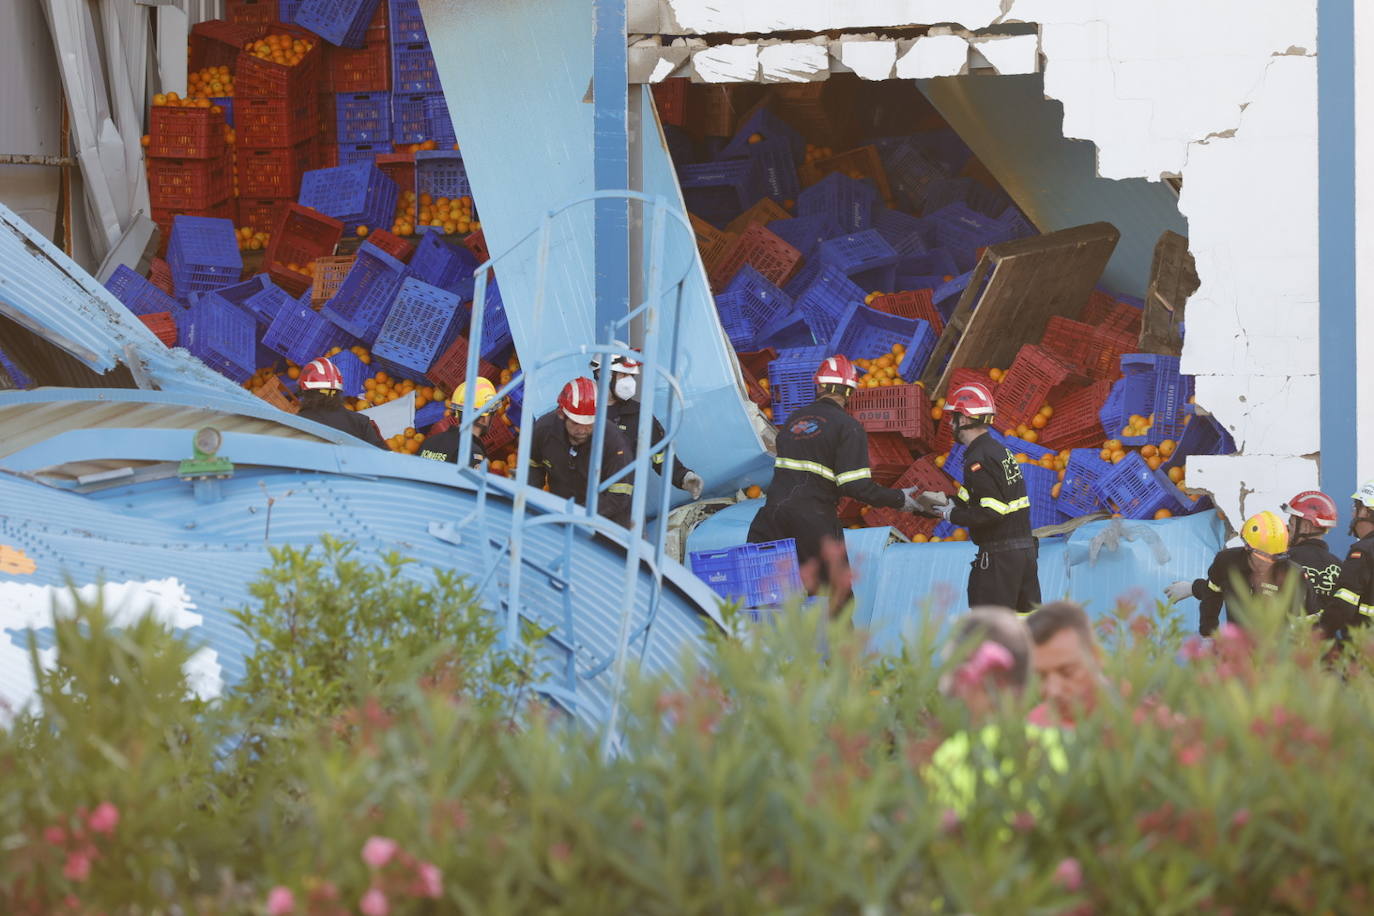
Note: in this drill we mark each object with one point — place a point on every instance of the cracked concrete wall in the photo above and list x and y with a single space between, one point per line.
1223 93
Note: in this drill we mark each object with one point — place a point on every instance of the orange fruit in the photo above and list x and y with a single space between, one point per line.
937 414
1118 456
1166 448
498 467
1148 451
1176 474
1164 513
1031 436
940 460
293 373
1056 490
412 446
960 534
1154 462
1039 421
754 491
919 539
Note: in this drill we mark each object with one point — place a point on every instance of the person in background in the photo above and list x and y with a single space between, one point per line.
560 452
992 504
1067 662
624 413
444 446
1353 600
1310 515
320 385
1260 568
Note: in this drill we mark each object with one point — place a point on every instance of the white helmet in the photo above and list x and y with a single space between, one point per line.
1365 495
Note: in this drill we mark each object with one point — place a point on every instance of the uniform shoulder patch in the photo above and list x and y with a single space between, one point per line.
977 466
1354 554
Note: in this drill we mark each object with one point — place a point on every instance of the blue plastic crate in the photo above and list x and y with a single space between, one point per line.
444 264
439 122
1202 435
430 414
945 530
777 170
719 191
762 302
769 129
408 122
359 305
918 351
226 104
803 278
359 194
1040 490
406 23
412 68
221 335
679 144
753 574
926 270
440 173
826 299
848 201
301 334
864 257
791 380
421 324
866 333
900 230
1136 491
286 10
787 331
1020 446
362 117
349 153
16 374
1149 384
257 296
977 196
203 253
340 22
909 172
944 146
963 231
1081 492
947 295
730 308
496 334
805 233
954 462
138 293
353 370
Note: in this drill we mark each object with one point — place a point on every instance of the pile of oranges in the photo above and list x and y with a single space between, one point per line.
280 49
251 239
383 389
210 82
407 442
421 147
882 371
308 268
1030 431
451 215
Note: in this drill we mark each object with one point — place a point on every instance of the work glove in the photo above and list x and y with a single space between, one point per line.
1177 591
693 484
911 503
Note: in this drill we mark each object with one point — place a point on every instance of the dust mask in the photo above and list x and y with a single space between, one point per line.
625 387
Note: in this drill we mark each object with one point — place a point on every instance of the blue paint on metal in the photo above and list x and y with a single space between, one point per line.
1336 202
611 158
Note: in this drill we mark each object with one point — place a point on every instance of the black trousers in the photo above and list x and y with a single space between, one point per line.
809 528
1005 578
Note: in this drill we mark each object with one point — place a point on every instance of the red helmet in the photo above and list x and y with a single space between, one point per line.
972 400
1313 505
321 374
837 370
577 400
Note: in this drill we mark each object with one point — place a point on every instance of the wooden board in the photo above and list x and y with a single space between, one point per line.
1014 291
1173 278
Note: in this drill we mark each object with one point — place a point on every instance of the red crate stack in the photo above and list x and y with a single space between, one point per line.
1076 422
1033 375
763 251
251 12
365 69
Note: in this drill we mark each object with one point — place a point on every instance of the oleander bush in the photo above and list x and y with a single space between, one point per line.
385 756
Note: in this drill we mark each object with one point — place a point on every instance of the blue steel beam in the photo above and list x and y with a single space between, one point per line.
1336 201
611 160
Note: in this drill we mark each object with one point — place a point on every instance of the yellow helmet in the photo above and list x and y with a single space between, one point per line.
484 393
1266 533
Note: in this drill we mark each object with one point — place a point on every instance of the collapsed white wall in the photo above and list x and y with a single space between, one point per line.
1222 93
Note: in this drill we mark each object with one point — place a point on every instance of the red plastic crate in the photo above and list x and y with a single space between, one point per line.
160 275
908 524
898 409
365 69
270 122
924 473
300 236
888 456
756 362
1103 311
499 439
1075 422
185 133
861 163
189 184
670 98
849 511
756 392
450 368
163 325
274 172
326 276
763 251
1033 375
251 12
259 78
217 42
913 303
399 167
393 245
476 242
260 214
1095 351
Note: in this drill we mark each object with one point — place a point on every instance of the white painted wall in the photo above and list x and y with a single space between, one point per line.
1223 93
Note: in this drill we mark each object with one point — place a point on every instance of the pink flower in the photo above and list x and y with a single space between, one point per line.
378 850
990 657
104 818
1069 874
1191 754
949 821
78 867
374 903
1023 822
55 835
431 882
560 852
1194 648
1240 818
1041 716
280 901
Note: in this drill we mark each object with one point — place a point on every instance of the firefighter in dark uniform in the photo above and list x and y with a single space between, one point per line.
443 446
822 454
1310 515
560 452
1260 568
993 505
321 383
624 413
1353 599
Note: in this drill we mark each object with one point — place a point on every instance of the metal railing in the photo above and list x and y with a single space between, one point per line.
651 313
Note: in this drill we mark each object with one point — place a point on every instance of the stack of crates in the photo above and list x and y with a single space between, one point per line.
189 163
414 77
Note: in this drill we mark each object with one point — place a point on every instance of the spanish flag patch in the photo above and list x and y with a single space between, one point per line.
977 466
